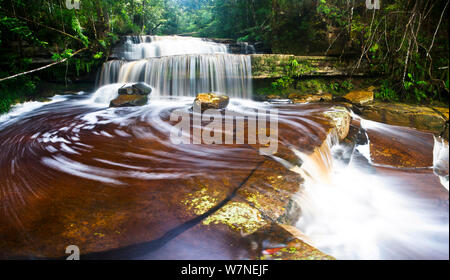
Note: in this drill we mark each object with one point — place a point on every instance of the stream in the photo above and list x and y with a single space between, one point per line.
109 180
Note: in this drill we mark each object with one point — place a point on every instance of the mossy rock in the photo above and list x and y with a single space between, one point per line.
129 100
207 101
360 97
419 117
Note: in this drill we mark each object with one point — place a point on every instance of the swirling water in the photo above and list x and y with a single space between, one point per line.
73 166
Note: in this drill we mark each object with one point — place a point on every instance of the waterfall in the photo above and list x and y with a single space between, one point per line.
140 47
110 72
179 66
351 211
440 161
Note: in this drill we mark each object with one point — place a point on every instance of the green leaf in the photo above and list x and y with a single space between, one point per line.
98 55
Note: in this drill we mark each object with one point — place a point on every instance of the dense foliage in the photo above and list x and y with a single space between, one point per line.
36 33
406 40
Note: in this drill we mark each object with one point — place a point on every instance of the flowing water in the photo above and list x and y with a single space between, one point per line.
180 66
74 171
354 208
140 47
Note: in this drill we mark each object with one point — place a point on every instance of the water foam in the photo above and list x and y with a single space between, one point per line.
351 212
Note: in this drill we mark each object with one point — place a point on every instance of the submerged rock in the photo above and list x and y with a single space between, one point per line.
279 101
284 242
129 100
360 97
400 147
207 101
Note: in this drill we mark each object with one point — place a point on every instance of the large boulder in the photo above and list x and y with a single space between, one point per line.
360 97
132 95
419 117
129 100
207 101
135 89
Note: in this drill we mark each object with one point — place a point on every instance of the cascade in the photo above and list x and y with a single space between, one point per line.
350 208
179 66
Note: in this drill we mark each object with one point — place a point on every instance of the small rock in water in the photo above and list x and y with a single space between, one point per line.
311 98
273 96
128 100
207 101
135 89
132 95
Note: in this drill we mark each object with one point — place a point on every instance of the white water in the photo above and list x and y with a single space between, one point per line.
105 94
441 161
181 66
140 47
351 212
20 109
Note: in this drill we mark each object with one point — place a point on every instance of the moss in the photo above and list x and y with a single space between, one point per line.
200 201
338 87
238 216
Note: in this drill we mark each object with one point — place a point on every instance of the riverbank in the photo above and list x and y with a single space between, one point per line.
41 91
432 117
364 96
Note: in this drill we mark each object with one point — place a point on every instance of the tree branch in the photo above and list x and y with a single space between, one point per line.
437 28
41 68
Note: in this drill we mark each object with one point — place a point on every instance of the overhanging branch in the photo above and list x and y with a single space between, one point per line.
41 68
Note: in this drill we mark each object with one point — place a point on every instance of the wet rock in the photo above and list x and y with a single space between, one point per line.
273 96
360 97
310 98
129 100
143 88
207 101
238 216
217 241
419 117
270 190
294 95
347 105
445 133
295 249
135 89
443 111
341 119
400 146
267 193
283 242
